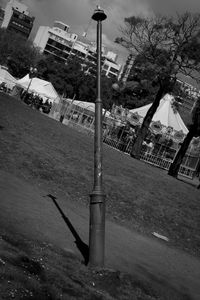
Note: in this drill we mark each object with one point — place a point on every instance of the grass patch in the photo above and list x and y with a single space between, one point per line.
40 271
139 196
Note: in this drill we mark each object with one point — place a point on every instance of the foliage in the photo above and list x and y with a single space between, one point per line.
107 92
164 47
17 53
70 79
73 79
142 87
139 90
66 78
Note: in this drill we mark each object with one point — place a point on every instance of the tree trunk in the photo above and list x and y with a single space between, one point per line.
174 168
137 146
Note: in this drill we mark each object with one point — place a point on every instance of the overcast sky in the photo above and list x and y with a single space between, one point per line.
77 14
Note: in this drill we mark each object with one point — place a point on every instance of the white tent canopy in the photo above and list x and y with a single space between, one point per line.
39 86
6 77
165 114
86 105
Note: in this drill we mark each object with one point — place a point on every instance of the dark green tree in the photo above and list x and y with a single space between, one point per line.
73 79
107 92
166 47
87 89
66 77
17 53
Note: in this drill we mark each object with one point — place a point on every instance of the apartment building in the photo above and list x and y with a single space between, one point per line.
15 17
62 44
110 66
125 73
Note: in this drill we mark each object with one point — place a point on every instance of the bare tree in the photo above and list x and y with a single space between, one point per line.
166 45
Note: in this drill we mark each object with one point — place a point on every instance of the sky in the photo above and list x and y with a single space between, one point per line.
77 14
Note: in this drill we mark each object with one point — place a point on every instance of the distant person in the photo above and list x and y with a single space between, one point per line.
131 136
150 147
144 146
3 87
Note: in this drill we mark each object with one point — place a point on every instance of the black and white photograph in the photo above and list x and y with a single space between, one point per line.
99 150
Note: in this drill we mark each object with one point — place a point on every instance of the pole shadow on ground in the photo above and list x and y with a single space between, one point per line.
82 247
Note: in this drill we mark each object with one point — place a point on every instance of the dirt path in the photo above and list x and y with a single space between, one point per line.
26 209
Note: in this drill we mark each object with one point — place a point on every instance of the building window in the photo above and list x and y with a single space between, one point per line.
56 44
114 70
111 75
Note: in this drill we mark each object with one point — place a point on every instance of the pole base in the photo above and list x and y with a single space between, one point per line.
97 197
97 229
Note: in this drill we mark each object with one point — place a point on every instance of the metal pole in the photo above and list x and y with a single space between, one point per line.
29 85
32 72
97 197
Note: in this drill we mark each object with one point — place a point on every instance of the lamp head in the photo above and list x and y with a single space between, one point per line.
33 70
99 14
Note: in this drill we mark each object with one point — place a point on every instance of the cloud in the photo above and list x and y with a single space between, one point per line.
78 13
172 6
116 11
3 3
109 44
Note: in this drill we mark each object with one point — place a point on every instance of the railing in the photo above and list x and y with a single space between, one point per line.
156 160
161 156
187 172
114 143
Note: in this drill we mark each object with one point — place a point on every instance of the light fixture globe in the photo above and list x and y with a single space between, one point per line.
115 86
99 14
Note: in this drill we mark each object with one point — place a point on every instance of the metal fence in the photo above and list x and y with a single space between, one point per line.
160 155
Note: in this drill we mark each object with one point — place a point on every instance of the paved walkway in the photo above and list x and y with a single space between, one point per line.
26 209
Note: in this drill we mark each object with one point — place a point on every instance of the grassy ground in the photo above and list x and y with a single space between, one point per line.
44 151
40 271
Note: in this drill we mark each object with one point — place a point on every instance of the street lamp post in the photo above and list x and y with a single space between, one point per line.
97 197
32 73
